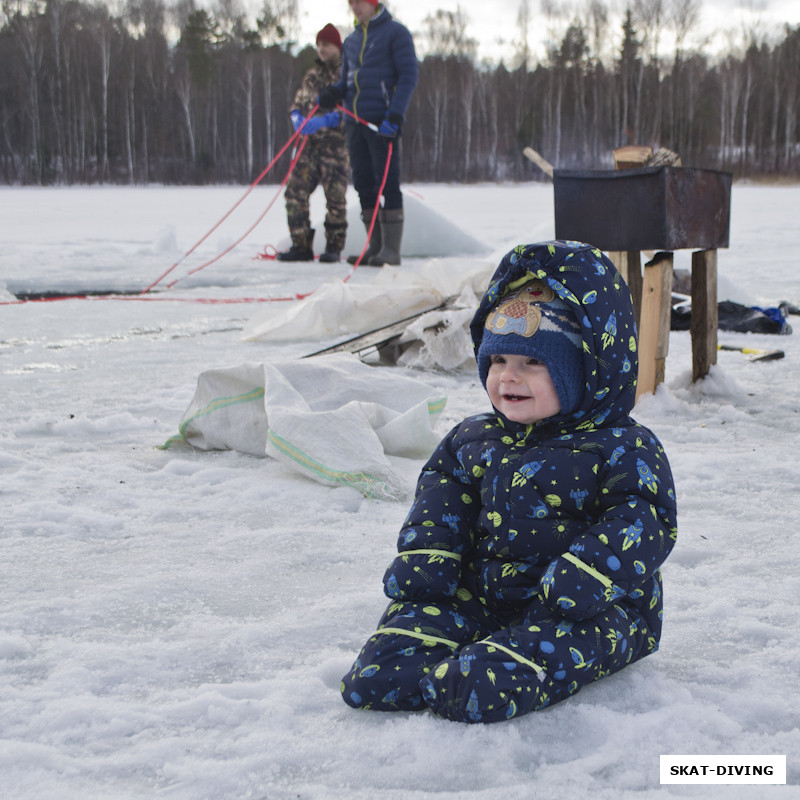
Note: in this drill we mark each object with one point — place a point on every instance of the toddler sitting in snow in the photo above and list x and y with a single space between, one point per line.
529 562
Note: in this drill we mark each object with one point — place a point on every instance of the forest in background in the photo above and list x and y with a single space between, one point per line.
149 92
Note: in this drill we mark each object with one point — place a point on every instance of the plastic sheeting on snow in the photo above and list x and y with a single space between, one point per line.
426 233
304 414
339 308
440 339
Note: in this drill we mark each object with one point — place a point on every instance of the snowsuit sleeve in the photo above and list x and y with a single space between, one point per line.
619 555
438 530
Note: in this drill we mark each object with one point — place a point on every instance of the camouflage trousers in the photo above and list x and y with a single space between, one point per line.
322 163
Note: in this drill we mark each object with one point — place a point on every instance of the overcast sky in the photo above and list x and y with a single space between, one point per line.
494 25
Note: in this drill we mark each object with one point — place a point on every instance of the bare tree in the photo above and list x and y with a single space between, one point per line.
650 16
448 48
521 44
94 93
277 24
682 19
598 25
28 37
102 35
446 35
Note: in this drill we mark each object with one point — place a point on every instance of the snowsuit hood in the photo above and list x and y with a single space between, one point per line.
592 288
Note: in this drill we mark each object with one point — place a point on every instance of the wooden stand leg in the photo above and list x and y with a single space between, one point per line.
705 313
629 264
655 322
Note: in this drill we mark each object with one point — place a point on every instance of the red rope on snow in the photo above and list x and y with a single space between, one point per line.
155 298
145 296
227 250
252 186
268 253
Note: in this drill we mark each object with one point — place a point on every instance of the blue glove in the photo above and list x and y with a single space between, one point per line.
390 127
330 120
297 119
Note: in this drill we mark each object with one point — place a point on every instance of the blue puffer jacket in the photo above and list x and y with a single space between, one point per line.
379 69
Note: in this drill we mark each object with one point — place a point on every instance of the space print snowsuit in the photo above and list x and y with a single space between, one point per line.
528 565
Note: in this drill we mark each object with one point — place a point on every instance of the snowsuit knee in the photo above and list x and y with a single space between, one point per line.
530 666
411 638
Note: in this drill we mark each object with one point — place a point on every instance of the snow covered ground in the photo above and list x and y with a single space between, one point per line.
175 623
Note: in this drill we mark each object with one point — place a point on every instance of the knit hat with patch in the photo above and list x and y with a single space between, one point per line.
534 322
330 33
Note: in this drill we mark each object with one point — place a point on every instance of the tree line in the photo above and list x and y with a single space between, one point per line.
180 94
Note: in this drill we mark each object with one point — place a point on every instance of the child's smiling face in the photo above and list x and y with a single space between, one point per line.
521 388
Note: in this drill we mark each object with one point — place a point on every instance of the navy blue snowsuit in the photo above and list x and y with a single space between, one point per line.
529 562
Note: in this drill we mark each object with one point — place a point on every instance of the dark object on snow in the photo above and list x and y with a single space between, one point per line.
755 353
735 317
652 208
380 339
33 296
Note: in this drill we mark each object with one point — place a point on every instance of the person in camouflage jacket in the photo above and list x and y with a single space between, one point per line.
529 563
324 160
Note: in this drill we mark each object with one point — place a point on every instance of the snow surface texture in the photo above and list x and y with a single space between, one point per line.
175 623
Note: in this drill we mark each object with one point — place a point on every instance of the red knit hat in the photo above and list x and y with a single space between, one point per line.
373 3
330 33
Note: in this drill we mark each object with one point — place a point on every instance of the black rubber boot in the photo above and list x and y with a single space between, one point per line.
334 242
301 249
392 220
374 242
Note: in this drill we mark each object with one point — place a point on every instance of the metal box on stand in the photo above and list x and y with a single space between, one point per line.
652 208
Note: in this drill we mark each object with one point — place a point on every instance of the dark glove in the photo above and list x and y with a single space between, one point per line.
390 127
297 119
329 120
329 97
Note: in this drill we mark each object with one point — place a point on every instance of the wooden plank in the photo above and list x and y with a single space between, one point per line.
629 264
655 322
540 161
632 156
705 313
633 260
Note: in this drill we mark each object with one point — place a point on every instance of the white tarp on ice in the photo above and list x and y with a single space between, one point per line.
426 233
339 308
333 418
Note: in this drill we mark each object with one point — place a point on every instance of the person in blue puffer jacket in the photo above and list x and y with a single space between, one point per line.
379 75
529 563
